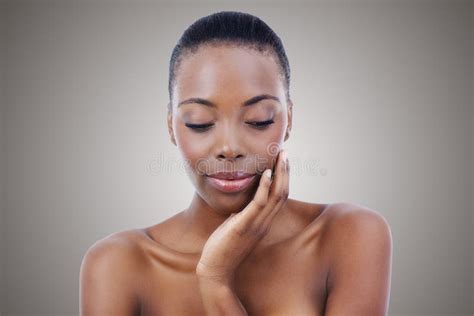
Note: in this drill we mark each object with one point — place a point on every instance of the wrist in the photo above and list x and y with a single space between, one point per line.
219 298
216 281
211 276
214 287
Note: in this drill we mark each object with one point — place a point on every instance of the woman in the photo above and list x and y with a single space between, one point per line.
242 247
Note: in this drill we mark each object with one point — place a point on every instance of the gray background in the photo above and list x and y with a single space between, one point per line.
383 117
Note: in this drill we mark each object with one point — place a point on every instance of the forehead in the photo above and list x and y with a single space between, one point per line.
232 71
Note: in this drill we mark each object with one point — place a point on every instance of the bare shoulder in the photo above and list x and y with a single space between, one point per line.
359 251
348 222
124 245
108 275
345 219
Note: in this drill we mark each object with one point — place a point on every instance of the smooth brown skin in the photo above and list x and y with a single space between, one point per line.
282 257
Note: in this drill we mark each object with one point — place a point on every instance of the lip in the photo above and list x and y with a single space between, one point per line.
230 182
231 175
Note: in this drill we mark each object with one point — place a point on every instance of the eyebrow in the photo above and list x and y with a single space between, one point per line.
250 101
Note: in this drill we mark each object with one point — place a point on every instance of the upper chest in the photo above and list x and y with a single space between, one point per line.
282 279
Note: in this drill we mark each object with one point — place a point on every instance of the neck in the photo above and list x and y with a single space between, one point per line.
201 220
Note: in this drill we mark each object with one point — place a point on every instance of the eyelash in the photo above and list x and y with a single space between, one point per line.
203 127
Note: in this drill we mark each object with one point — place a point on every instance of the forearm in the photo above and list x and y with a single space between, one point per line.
220 299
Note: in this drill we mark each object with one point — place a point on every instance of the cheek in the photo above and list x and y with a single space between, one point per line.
267 147
266 154
194 149
275 133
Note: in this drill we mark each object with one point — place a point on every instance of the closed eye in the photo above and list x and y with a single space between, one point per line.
262 124
198 127
205 127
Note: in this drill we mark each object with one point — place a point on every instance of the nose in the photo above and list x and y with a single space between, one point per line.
228 145
228 153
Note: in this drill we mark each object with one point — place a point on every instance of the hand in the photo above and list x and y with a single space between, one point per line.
235 238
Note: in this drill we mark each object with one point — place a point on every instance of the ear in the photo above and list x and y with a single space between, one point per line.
290 119
170 124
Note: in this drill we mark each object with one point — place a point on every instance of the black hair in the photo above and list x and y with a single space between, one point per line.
229 28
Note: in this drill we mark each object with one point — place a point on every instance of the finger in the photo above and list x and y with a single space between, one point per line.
285 191
228 219
267 222
261 196
278 185
281 190
276 191
259 201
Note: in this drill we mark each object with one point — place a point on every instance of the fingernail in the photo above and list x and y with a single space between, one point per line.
268 173
284 155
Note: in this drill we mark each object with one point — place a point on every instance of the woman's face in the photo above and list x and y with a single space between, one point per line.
232 92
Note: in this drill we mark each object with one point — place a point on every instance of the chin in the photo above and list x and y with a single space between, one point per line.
226 203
